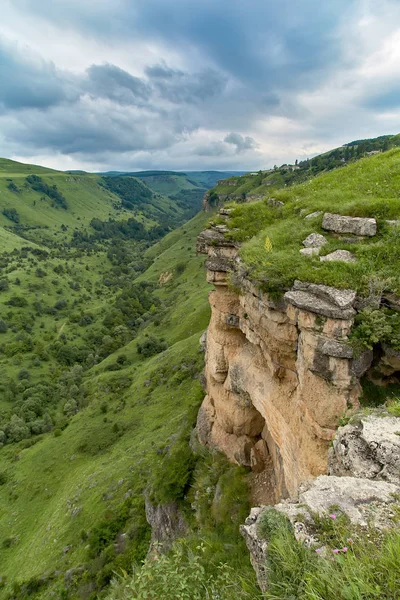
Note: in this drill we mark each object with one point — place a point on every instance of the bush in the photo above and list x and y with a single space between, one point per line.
11 214
180 575
4 285
17 301
151 346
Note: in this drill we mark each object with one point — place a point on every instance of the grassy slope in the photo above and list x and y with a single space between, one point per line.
366 188
85 197
54 472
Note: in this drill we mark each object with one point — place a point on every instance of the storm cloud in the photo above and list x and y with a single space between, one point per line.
119 84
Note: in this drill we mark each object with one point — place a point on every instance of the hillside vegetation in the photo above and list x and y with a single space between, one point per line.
102 304
253 186
100 365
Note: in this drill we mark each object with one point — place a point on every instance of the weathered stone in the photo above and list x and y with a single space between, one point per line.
312 303
362 363
340 255
345 224
210 237
314 215
166 521
232 320
393 223
310 252
338 350
315 240
370 449
220 228
257 547
203 341
391 358
392 301
341 298
221 265
352 495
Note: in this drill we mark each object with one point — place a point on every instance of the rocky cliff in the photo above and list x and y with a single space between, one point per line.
279 373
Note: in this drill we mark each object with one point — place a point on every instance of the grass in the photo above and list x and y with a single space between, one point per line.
367 188
131 415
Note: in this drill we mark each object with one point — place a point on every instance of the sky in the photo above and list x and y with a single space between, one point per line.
194 84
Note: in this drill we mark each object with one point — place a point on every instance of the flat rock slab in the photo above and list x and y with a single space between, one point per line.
350 494
345 224
339 255
340 298
310 302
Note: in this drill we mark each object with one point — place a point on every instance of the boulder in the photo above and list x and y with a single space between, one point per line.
345 224
340 255
315 240
369 449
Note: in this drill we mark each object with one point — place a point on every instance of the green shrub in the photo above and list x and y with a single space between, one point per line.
180 575
151 346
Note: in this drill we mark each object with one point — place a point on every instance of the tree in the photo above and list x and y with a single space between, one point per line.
4 285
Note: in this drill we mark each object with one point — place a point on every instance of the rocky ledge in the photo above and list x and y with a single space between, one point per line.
368 456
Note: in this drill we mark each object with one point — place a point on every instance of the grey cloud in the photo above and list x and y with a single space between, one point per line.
242 143
27 82
178 86
109 81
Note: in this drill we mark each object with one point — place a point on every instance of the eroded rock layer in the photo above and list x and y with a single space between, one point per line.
279 374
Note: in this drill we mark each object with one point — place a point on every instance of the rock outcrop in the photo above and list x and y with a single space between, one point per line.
369 449
344 224
279 374
166 522
364 486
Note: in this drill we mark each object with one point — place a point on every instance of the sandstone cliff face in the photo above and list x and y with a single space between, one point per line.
279 374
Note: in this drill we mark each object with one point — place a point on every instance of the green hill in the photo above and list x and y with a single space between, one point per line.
51 207
255 186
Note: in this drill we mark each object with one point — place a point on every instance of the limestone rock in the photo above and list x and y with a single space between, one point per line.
315 240
203 341
393 223
309 301
334 348
166 522
362 363
345 224
358 498
257 547
220 228
339 255
211 237
340 298
310 252
370 449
